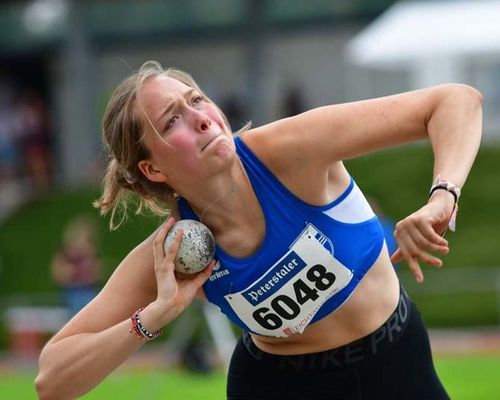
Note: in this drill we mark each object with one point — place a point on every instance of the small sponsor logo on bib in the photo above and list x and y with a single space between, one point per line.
218 273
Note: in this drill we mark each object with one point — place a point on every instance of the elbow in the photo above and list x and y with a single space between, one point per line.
46 390
43 381
46 384
474 94
467 93
42 387
477 93
463 101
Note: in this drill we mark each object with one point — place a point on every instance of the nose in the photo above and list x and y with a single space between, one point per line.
202 121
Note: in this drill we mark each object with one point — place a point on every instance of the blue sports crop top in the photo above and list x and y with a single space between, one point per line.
309 263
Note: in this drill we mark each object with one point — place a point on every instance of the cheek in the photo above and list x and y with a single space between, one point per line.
181 143
184 148
214 114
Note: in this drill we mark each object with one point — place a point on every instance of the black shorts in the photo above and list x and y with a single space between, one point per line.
394 362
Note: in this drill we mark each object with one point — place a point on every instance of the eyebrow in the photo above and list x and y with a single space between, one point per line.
171 105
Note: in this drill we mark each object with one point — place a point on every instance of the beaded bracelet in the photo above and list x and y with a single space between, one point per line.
139 329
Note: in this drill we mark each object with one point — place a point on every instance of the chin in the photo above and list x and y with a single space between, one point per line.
226 149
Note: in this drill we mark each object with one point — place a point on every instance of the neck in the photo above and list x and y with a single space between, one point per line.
226 200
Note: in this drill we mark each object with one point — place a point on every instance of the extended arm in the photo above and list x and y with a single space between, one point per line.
97 340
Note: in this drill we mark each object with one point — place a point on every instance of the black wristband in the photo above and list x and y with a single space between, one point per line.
444 187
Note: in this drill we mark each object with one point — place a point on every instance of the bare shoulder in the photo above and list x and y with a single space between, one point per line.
310 179
281 145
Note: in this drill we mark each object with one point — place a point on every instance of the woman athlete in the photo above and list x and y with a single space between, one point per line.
300 265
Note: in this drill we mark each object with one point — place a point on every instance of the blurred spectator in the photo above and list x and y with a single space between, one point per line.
25 143
198 357
9 154
233 110
293 102
11 190
33 126
76 267
9 150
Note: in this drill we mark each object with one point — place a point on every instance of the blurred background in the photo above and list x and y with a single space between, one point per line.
259 60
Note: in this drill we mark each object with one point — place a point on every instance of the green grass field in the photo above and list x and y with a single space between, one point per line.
465 377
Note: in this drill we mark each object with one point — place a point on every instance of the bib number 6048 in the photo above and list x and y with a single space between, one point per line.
285 307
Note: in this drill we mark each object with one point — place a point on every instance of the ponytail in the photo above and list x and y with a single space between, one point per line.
114 196
120 189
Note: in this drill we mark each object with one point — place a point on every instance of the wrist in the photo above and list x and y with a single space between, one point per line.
138 328
443 196
441 185
158 314
445 192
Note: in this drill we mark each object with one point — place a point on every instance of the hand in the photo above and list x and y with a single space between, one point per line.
175 292
421 233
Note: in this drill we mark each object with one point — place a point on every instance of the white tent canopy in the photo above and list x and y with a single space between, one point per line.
417 31
432 42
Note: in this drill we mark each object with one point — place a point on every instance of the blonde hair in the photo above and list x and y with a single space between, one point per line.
122 134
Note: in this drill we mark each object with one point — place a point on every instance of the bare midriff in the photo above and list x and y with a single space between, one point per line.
371 304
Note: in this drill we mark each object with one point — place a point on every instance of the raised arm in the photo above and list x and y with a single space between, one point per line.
450 116
98 339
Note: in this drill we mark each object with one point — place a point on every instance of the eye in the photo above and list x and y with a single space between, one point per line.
171 122
197 99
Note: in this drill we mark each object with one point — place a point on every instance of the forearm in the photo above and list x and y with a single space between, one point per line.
454 130
74 365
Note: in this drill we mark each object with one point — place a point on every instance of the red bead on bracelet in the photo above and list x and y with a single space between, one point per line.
139 329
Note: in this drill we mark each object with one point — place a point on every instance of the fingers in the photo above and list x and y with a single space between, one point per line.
412 262
416 245
160 239
191 277
190 285
417 238
397 256
413 245
415 269
165 260
431 235
165 265
172 250
425 240
202 276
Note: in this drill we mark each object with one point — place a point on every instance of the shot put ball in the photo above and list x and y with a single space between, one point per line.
196 249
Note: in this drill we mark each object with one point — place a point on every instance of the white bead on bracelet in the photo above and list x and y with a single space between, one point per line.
140 330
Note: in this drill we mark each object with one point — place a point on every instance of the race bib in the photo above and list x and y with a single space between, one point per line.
285 299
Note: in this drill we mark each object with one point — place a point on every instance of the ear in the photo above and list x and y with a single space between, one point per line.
151 172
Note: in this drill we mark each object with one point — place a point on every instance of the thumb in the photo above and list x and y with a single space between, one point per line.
202 276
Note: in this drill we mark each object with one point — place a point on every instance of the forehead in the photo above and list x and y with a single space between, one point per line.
162 87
